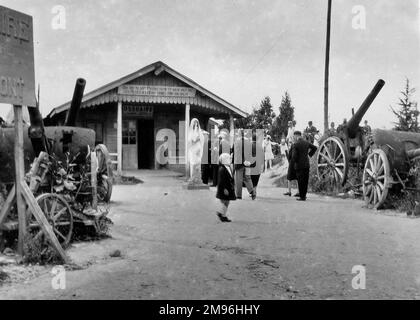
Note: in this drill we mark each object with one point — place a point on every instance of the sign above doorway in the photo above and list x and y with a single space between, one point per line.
160 91
138 111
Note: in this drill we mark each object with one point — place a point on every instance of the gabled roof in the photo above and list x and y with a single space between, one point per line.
158 67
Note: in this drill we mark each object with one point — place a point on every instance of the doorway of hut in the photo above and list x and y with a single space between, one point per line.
146 143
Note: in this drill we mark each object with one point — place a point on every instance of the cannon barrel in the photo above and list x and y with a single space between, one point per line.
354 122
76 102
411 154
36 131
35 117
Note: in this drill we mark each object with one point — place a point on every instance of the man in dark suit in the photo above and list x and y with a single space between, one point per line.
242 174
300 159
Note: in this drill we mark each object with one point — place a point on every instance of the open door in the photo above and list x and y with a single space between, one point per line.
146 144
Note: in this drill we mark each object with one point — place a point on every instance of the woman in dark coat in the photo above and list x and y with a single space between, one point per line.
291 172
225 186
258 165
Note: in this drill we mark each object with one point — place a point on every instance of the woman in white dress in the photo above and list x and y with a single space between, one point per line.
268 152
195 150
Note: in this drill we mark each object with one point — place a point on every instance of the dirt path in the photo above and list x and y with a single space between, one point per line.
173 247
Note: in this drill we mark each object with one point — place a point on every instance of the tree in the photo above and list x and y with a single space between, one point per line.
243 123
406 111
287 113
262 118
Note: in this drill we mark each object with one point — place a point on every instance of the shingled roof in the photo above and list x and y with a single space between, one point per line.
108 92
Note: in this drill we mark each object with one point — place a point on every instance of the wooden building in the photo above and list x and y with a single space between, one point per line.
128 113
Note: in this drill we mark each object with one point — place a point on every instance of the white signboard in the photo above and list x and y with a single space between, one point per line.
161 91
17 75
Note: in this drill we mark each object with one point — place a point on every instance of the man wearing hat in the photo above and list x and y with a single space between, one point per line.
242 165
300 159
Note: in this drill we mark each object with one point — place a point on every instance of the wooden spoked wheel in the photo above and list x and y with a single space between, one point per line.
59 216
376 179
332 161
105 173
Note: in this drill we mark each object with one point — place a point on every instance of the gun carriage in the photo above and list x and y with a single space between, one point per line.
67 173
389 164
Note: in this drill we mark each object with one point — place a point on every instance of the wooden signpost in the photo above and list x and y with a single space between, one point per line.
17 87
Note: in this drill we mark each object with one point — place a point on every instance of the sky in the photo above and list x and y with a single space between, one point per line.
241 50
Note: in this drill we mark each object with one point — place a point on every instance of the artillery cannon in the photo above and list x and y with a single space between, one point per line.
69 175
348 146
57 141
387 156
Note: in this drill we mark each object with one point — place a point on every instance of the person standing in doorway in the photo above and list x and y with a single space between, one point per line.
206 159
225 186
300 159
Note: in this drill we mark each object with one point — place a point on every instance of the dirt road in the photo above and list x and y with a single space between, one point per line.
173 247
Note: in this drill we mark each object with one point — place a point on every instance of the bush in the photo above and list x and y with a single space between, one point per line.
402 201
3 276
38 251
406 200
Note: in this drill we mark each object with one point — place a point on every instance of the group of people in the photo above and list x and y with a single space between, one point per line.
332 130
284 146
297 148
244 171
240 165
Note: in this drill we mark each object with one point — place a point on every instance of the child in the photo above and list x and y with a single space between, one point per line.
225 186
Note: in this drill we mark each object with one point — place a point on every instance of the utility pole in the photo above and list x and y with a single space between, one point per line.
327 66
